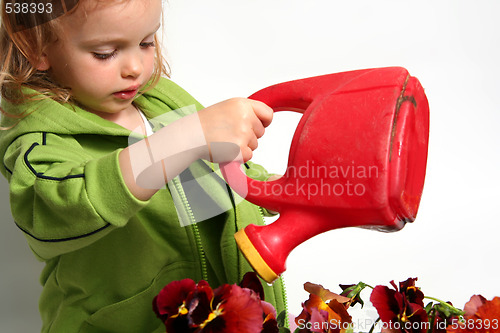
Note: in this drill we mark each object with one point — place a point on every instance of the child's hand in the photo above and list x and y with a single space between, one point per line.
224 132
234 123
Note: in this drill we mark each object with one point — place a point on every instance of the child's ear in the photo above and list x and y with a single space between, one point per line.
43 62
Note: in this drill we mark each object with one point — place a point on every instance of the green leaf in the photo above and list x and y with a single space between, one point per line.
354 292
444 310
284 330
282 319
350 329
428 307
448 310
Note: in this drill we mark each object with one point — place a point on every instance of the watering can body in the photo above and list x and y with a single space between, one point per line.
357 159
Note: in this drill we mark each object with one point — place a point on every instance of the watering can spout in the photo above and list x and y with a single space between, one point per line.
357 159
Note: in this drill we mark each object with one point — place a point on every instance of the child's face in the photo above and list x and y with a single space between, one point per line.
107 52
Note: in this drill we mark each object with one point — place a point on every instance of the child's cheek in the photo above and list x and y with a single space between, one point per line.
98 76
148 64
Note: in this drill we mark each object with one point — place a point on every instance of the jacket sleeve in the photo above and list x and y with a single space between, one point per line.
61 197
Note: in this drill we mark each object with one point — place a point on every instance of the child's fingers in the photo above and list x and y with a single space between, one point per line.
258 128
253 143
246 154
274 177
263 112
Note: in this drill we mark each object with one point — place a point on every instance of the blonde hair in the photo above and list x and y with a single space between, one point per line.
22 40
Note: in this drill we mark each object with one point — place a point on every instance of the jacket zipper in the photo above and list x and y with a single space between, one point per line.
194 228
282 281
199 247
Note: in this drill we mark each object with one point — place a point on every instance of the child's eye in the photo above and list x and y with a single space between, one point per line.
147 44
104 56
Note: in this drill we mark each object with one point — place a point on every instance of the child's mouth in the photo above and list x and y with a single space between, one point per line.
126 94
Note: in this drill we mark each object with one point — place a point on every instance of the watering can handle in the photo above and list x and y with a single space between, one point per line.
255 191
280 97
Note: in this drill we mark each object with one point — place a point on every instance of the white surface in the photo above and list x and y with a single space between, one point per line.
221 49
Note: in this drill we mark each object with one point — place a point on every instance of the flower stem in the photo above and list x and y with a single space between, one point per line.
444 303
433 319
374 324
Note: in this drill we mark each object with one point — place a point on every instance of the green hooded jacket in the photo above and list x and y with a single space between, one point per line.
107 253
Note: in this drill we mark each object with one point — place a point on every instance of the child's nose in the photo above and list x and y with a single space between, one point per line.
132 66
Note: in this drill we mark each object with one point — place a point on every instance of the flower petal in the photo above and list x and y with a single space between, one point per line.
269 310
484 319
340 310
172 296
410 282
319 321
417 314
411 292
490 309
324 293
221 294
315 302
303 317
251 281
178 324
199 304
240 309
475 302
217 325
270 326
386 302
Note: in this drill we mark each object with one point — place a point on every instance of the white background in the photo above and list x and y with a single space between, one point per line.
221 49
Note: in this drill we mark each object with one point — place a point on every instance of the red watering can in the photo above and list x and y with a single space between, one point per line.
357 159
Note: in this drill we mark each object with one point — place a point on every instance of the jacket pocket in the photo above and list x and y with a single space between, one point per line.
135 314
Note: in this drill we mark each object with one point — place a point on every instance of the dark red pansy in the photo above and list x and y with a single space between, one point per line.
196 308
270 318
178 324
199 304
388 303
270 326
251 281
403 306
243 311
412 293
168 302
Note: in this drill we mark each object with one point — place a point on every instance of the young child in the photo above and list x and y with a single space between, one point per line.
75 89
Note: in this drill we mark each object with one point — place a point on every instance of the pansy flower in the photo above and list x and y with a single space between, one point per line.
185 306
170 304
481 316
401 309
324 311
